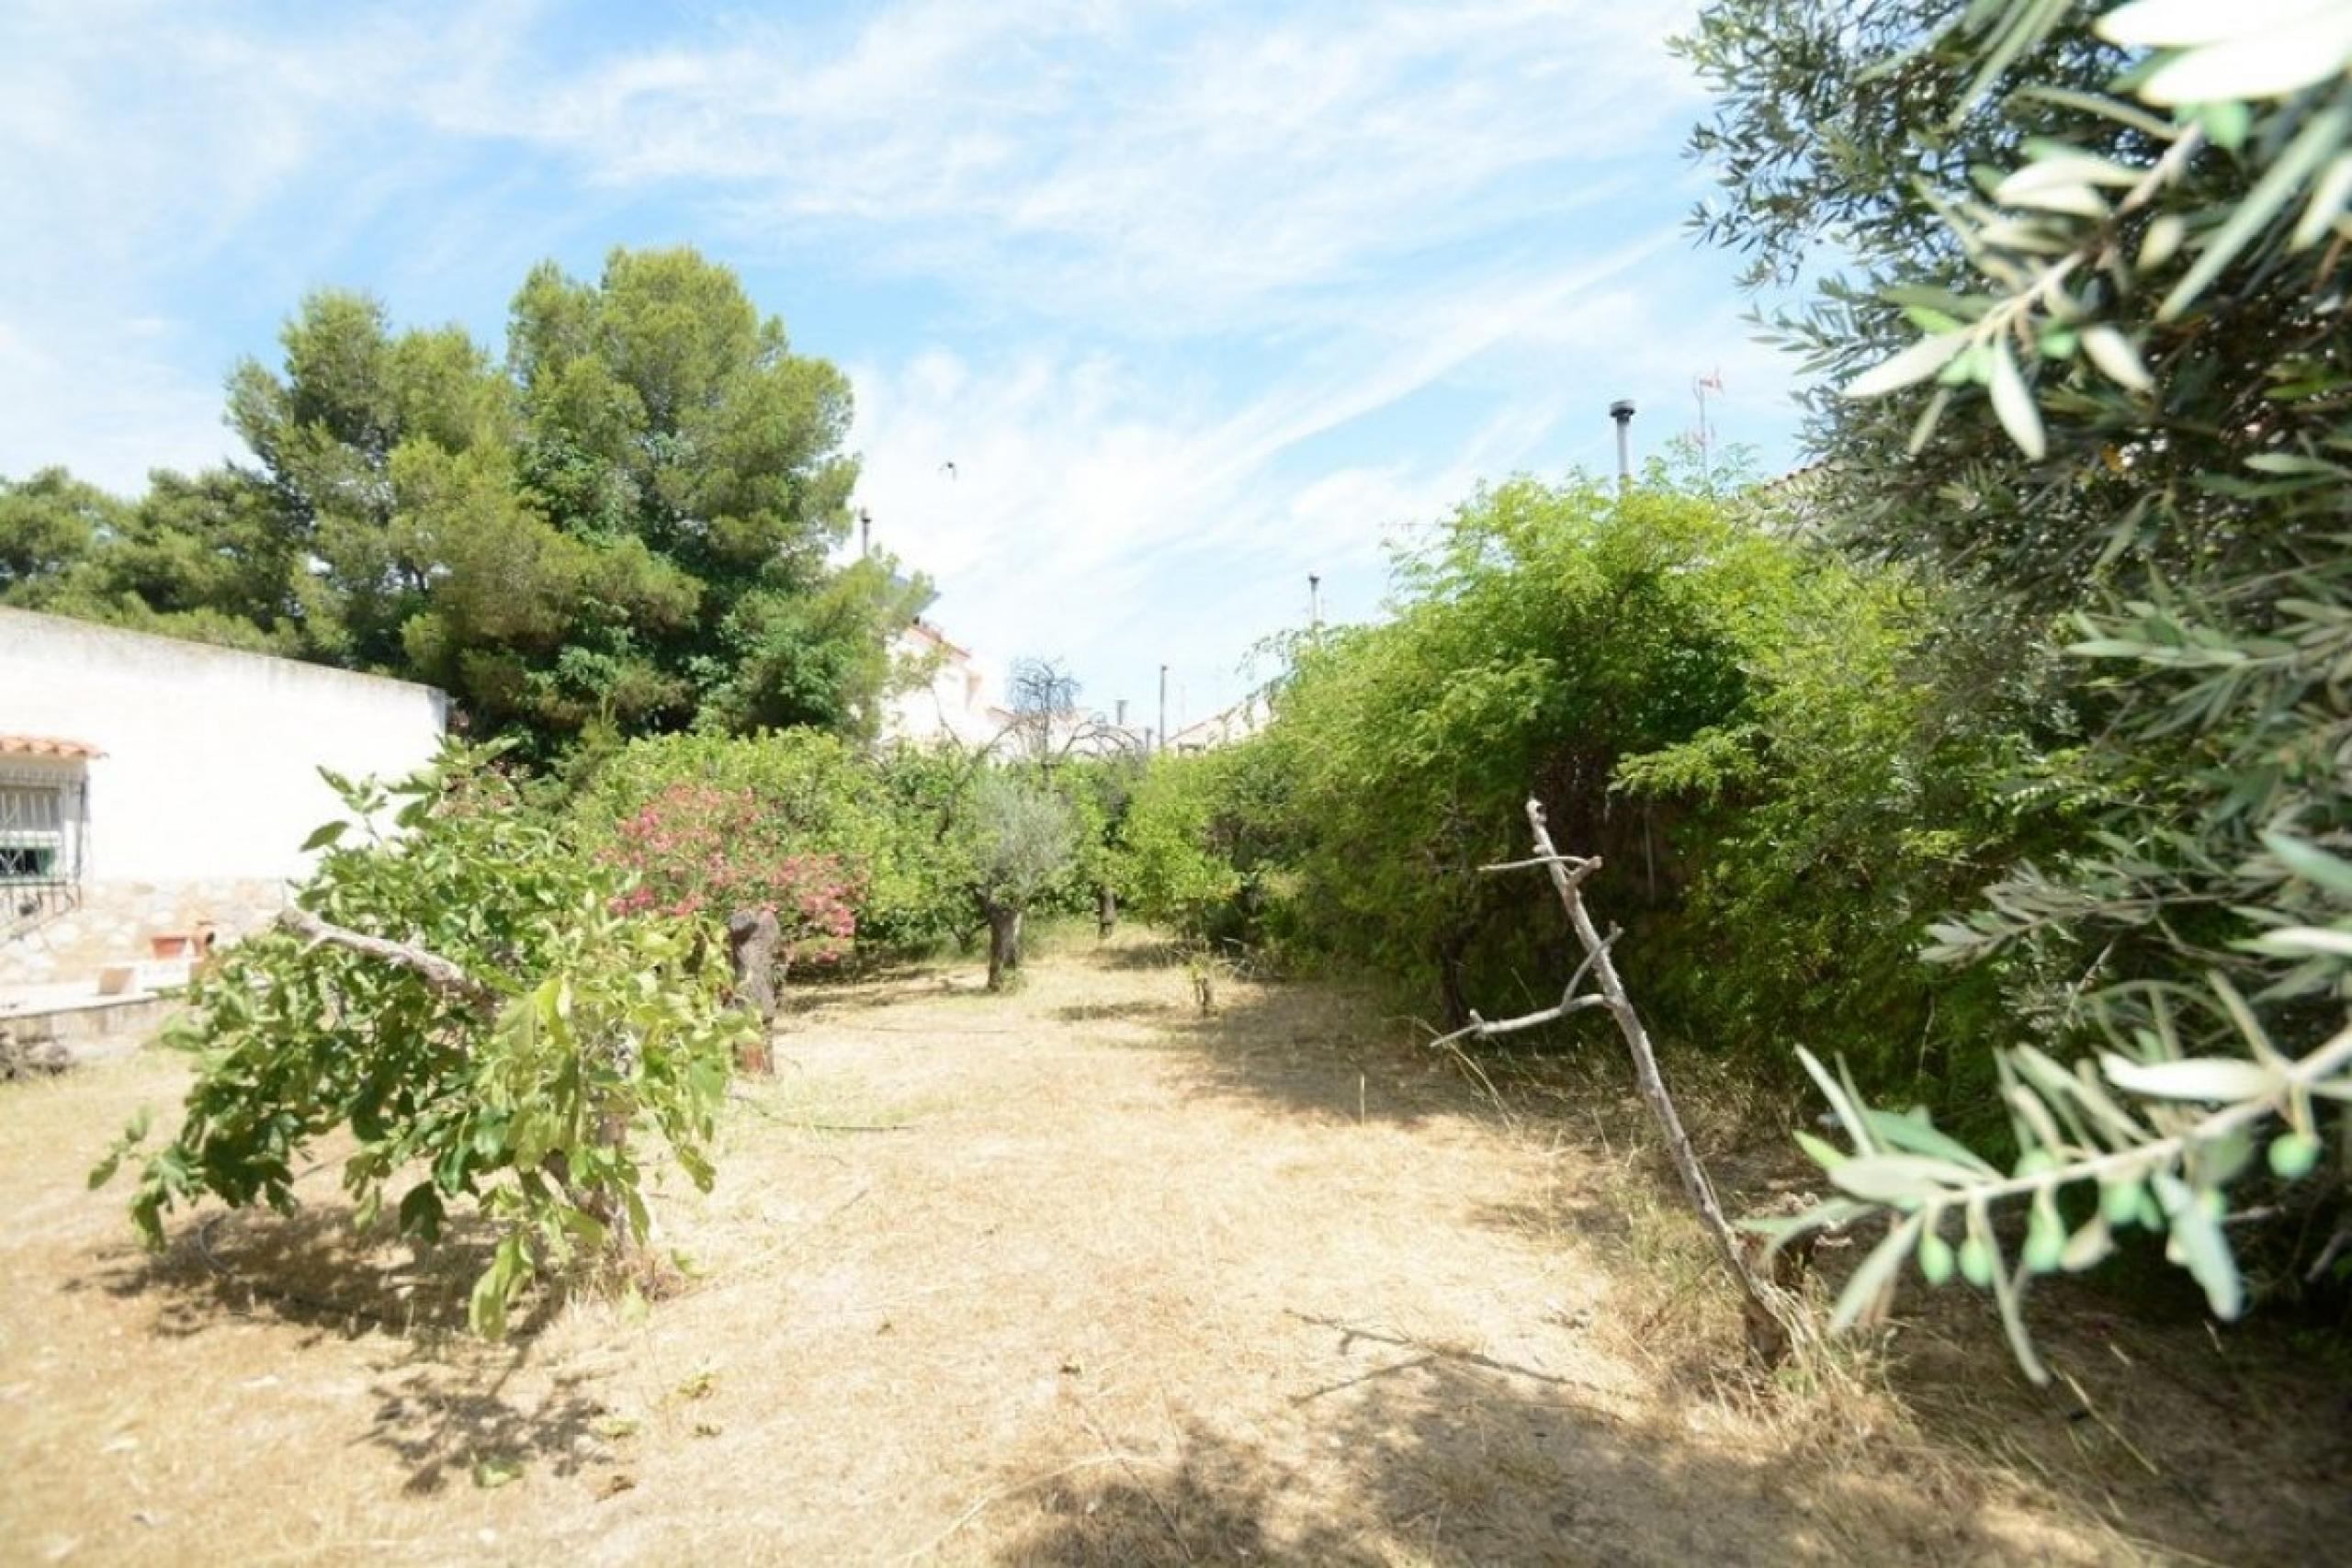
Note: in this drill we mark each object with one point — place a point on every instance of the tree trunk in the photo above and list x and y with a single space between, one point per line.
752 937
1455 1000
1106 912
1004 943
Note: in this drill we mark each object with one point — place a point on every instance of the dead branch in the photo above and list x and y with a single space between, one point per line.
1480 1028
1773 1321
2334 1248
1579 866
437 972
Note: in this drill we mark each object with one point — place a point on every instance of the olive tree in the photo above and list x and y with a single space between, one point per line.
1022 838
2095 364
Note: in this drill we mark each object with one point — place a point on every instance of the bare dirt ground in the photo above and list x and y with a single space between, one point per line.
1112 1282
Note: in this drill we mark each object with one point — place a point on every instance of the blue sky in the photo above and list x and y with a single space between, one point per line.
1197 298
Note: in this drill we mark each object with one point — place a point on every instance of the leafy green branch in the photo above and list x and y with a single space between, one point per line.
464 998
2160 1138
2061 256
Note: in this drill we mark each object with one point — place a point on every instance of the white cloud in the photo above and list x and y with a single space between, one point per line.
1165 168
1099 514
144 141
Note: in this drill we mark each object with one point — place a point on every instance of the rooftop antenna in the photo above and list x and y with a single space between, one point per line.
1699 388
1622 410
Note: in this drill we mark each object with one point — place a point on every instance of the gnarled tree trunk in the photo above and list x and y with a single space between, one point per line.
753 939
1106 912
1004 943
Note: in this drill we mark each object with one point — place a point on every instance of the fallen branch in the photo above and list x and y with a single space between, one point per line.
1774 1320
1569 1001
437 972
1481 1028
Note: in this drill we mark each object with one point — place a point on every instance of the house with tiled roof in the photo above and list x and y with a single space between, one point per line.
155 794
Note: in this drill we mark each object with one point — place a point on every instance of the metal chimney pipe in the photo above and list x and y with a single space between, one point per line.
1315 602
1163 707
865 533
1123 713
1622 410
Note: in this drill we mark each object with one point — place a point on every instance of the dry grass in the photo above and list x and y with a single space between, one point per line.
1080 1276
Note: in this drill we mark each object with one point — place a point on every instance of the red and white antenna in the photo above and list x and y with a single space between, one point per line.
1700 386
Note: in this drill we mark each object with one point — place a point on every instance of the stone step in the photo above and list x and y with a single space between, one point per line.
49 1028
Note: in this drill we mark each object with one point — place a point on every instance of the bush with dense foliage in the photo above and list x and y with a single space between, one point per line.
1200 849
800 793
1728 715
527 1088
900 839
1543 635
702 850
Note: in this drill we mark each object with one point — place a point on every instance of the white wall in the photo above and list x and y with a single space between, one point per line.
211 757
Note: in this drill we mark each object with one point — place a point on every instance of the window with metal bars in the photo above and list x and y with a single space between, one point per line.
40 831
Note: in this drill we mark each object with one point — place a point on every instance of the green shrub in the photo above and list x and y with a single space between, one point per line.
1023 842
815 796
2090 357
525 1091
1733 718
1203 844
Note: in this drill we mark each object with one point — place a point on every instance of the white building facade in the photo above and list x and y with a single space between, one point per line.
153 790
951 703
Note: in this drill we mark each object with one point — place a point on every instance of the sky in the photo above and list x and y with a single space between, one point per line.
1197 298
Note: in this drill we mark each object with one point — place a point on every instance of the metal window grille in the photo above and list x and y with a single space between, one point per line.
42 834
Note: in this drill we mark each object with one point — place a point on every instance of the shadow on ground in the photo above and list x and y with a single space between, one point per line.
2179 1438
1129 953
1449 1462
1116 1012
2232 1444
446 1403
1312 1051
462 1417
310 1268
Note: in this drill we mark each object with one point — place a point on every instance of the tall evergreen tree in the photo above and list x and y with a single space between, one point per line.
627 524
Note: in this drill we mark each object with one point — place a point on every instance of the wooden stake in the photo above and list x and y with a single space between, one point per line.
1773 1321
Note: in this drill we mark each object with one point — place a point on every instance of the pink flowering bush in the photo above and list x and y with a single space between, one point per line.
701 848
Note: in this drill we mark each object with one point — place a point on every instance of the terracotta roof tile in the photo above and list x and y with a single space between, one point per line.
45 746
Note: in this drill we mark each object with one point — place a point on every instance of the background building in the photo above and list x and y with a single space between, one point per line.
953 700
152 788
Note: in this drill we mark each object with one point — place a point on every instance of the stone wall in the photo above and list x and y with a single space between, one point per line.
114 921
